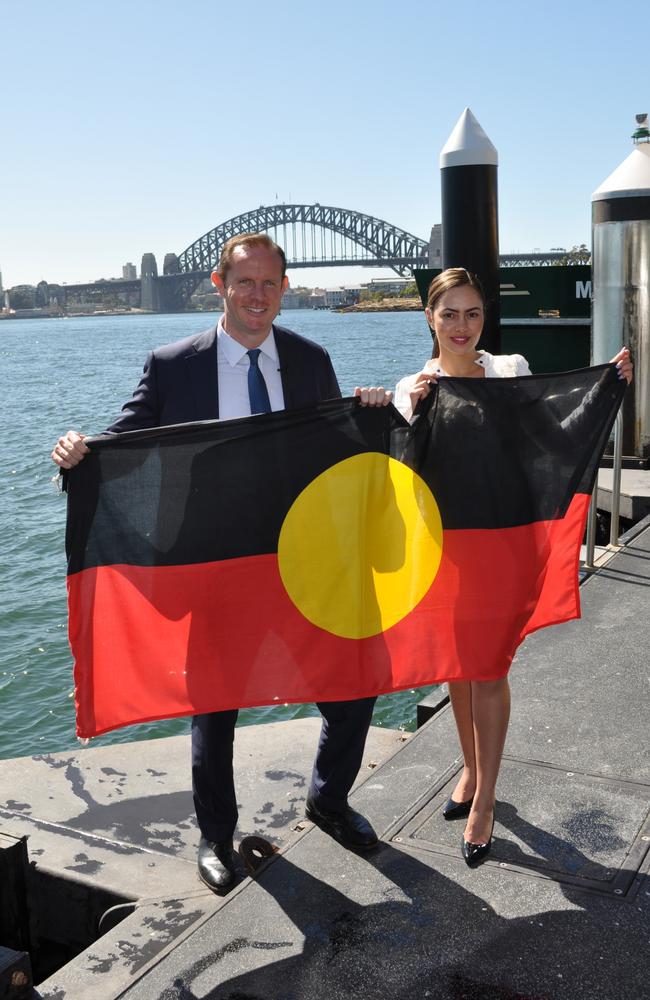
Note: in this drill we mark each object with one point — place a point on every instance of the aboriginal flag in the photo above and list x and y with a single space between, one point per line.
329 553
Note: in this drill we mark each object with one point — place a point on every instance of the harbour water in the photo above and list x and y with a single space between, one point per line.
63 373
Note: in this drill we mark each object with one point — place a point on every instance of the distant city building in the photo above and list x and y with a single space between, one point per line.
0 284
342 296
387 286
205 297
129 272
297 298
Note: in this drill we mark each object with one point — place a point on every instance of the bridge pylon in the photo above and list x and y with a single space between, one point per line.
149 290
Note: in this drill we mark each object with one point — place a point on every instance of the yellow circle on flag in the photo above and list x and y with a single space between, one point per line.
360 546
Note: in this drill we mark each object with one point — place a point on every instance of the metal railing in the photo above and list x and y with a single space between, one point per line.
617 462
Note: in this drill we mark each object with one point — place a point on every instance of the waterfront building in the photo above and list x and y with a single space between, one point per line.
342 296
297 298
387 286
206 298
129 272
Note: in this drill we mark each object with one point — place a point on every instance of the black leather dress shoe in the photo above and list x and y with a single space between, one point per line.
217 865
350 828
454 810
474 854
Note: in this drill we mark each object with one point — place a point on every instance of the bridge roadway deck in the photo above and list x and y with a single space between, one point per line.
560 910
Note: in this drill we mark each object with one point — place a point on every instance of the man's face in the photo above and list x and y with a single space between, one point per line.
252 293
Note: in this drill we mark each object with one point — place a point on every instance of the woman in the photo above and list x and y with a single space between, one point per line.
456 312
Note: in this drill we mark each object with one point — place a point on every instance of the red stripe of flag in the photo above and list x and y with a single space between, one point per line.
165 641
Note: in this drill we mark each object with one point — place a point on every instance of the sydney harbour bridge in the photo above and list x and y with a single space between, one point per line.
311 235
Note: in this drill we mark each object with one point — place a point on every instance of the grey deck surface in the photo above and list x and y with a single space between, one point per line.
121 819
560 910
635 492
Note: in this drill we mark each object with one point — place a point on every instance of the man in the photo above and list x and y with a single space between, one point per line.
247 365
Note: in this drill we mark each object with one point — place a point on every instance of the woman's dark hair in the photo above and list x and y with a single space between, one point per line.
453 277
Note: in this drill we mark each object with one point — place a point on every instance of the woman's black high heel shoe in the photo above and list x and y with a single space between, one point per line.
454 810
474 854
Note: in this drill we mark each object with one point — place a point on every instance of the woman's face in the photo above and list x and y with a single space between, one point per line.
457 319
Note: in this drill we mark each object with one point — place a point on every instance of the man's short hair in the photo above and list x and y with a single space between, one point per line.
244 241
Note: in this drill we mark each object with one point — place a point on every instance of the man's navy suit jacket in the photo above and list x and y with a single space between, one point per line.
179 383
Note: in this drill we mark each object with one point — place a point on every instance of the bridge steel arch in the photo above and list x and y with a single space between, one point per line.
378 242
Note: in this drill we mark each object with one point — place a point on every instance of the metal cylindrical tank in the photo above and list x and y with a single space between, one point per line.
621 283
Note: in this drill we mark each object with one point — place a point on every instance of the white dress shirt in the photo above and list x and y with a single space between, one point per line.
232 374
495 366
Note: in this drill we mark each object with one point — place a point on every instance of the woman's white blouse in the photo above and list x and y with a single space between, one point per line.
495 365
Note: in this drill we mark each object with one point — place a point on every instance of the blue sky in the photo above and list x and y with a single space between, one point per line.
137 126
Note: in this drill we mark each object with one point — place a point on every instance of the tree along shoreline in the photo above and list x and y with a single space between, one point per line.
384 305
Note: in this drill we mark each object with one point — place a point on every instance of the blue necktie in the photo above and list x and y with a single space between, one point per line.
257 391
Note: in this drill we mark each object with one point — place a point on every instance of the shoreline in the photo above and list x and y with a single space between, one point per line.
108 312
384 305
72 315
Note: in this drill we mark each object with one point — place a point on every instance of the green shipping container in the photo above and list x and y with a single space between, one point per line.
545 314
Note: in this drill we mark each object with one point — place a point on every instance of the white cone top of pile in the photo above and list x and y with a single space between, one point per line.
631 179
468 145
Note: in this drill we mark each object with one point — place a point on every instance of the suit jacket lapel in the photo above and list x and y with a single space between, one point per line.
283 344
201 366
